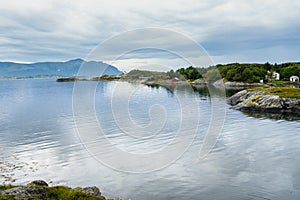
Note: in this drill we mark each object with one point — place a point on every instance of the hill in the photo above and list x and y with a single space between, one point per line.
64 69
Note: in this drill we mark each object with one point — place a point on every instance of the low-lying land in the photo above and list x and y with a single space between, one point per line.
100 78
230 76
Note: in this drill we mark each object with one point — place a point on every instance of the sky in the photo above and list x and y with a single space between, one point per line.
227 30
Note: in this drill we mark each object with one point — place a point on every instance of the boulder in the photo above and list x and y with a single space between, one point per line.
92 191
263 101
26 193
38 183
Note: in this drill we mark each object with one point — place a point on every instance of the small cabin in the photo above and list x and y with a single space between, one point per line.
294 78
175 79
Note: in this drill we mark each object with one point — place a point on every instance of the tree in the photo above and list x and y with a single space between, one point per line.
212 75
267 66
191 73
230 74
247 75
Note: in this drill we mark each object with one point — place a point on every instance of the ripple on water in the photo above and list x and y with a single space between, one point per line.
254 157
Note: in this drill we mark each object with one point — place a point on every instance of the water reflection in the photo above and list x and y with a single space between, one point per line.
256 157
274 116
199 90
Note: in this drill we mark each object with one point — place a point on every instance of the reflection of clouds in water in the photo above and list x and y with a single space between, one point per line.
252 159
11 168
296 175
136 134
263 150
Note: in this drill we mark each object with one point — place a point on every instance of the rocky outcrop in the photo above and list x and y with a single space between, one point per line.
38 183
26 192
91 190
242 85
40 190
263 101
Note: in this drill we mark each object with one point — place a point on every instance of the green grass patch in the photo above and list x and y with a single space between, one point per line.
278 83
283 92
6 197
6 187
65 193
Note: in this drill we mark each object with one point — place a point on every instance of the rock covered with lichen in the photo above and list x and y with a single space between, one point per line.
263 101
26 192
40 190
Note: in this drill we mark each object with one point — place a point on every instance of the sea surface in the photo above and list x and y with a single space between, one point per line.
138 142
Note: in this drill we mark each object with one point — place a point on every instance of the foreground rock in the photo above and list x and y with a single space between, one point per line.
40 190
25 192
264 102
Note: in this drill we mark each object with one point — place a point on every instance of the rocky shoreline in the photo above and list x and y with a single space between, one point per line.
218 84
238 85
40 190
146 81
263 101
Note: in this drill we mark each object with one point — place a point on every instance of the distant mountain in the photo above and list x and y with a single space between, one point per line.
64 69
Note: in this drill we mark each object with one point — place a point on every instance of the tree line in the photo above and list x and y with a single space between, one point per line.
250 73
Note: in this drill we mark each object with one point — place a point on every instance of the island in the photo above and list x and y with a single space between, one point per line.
97 78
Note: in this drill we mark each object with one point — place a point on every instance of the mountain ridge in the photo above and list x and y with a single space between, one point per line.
62 69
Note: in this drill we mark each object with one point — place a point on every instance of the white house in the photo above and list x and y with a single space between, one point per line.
294 78
273 76
276 76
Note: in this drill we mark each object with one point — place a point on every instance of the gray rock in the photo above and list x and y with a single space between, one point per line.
263 101
92 191
221 83
26 192
38 183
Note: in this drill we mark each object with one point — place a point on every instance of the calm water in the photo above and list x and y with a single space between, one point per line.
254 158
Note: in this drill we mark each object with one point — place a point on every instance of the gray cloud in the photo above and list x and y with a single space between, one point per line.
232 30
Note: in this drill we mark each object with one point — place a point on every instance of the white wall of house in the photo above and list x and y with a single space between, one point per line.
294 78
276 76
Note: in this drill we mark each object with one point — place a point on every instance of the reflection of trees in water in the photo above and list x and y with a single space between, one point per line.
231 92
198 90
168 88
211 91
274 116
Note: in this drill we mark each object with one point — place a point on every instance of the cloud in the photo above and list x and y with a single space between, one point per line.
237 30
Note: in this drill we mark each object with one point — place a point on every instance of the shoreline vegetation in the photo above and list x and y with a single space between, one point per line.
228 75
39 189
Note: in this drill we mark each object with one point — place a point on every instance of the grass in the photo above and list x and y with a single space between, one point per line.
6 187
61 192
278 82
6 197
283 92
